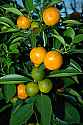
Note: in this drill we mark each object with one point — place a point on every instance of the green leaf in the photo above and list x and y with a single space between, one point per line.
17 39
28 5
60 122
55 32
9 29
5 107
5 24
75 65
14 48
13 79
56 44
76 94
71 114
68 82
17 36
1 94
21 114
69 71
33 39
55 2
69 32
72 22
9 91
77 50
60 38
45 109
78 38
13 10
7 20
31 100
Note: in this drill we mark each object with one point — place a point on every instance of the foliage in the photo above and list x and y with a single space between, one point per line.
16 66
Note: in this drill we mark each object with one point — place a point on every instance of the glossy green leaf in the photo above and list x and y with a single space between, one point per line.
17 36
69 32
45 109
70 98
9 91
9 30
17 39
71 114
55 32
72 22
1 94
31 100
5 107
5 24
56 44
68 82
76 94
28 4
78 38
60 38
69 71
13 10
13 48
13 79
7 20
59 122
77 50
75 65
21 114
55 1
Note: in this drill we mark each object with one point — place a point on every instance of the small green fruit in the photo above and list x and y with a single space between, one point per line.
38 74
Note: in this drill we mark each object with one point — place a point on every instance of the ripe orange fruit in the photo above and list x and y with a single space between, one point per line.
51 16
53 60
38 74
32 88
37 55
23 22
21 91
45 85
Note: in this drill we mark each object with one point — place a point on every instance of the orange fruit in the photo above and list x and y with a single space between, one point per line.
51 16
21 91
37 55
45 85
38 74
23 22
53 60
32 88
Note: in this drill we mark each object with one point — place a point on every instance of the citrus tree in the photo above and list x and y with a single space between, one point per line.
38 68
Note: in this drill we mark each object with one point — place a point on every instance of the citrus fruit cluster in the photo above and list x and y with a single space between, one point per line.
32 88
50 17
52 60
39 83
